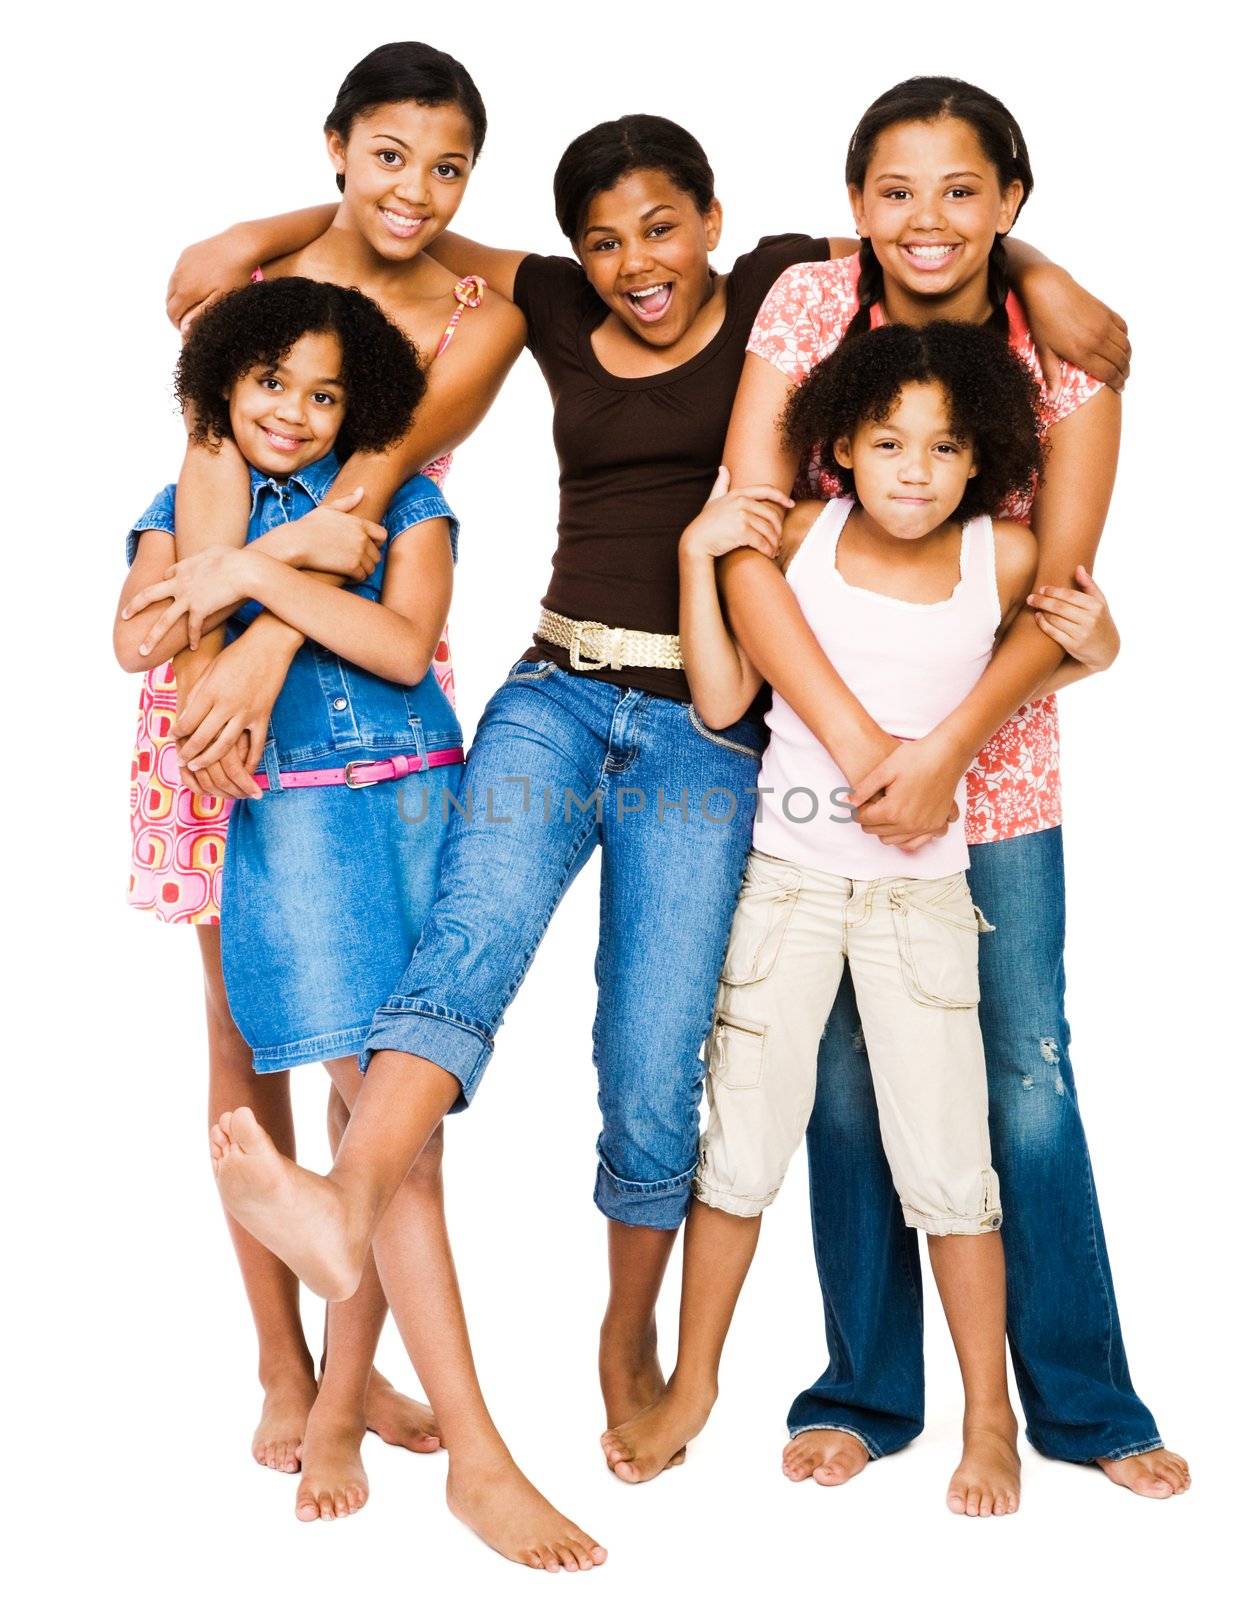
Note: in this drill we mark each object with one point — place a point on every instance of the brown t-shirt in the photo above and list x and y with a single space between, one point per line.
637 456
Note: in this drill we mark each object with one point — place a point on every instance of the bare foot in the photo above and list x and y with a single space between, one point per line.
278 1438
399 1420
987 1480
1156 1474
334 1483
293 1213
827 1455
495 1499
649 1443
631 1379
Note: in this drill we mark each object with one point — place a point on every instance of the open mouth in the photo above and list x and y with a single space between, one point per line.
285 442
651 302
402 227
930 257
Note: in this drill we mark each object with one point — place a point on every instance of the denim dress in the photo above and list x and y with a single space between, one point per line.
325 889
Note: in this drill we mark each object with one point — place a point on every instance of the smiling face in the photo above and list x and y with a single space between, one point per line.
644 247
405 167
285 417
932 205
911 470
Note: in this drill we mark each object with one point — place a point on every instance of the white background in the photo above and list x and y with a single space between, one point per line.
135 130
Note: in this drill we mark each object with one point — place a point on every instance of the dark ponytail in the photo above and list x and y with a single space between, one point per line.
927 100
407 70
598 159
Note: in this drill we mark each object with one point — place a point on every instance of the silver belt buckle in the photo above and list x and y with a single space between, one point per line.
352 782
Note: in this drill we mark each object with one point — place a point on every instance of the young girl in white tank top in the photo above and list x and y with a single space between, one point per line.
902 587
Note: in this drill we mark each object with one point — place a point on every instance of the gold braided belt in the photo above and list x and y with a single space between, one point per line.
593 645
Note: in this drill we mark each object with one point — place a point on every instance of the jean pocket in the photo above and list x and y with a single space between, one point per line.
530 671
764 907
730 738
734 1057
938 927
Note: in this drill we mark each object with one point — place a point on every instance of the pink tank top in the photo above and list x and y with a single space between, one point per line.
909 664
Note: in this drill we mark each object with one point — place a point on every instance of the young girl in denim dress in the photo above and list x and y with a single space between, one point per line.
329 873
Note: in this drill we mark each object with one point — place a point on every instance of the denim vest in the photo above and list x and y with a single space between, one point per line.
330 711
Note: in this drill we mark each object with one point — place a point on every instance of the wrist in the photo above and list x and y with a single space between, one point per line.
693 555
251 570
271 640
954 746
284 543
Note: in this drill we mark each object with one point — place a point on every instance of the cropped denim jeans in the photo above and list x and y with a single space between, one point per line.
1062 1317
563 763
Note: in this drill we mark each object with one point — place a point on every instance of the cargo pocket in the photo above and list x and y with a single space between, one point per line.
938 927
764 908
735 1056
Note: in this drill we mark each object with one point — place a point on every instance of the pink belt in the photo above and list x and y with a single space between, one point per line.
363 774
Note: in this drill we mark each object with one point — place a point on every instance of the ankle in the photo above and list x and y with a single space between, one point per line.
698 1390
992 1413
339 1413
276 1372
624 1344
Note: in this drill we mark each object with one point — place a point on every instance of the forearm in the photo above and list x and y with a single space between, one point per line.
1023 258
1068 671
210 508
1019 672
755 450
721 678
468 258
371 636
266 238
1067 518
765 617
130 634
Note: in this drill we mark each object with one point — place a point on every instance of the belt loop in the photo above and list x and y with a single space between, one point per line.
271 769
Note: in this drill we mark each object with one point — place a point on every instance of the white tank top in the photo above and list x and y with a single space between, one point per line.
909 664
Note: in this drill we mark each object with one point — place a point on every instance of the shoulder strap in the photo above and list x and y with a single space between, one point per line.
469 293
817 550
979 576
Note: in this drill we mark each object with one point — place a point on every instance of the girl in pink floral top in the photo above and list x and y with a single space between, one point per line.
937 173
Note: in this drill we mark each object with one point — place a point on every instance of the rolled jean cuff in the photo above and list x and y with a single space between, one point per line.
454 1043
942 1227
1129 1450
869 1445
643 1205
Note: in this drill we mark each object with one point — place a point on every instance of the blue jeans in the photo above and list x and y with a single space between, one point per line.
562 763
1062 1318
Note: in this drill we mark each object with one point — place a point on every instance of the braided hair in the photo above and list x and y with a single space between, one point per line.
928 100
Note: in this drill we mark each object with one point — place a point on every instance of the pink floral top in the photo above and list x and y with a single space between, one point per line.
1014 786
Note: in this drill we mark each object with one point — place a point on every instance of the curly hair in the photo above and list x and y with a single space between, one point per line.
994 402
258 327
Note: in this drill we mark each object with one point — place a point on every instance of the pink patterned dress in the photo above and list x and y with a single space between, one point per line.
1014 786
177 836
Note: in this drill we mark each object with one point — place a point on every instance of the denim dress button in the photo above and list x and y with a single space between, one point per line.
340 704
